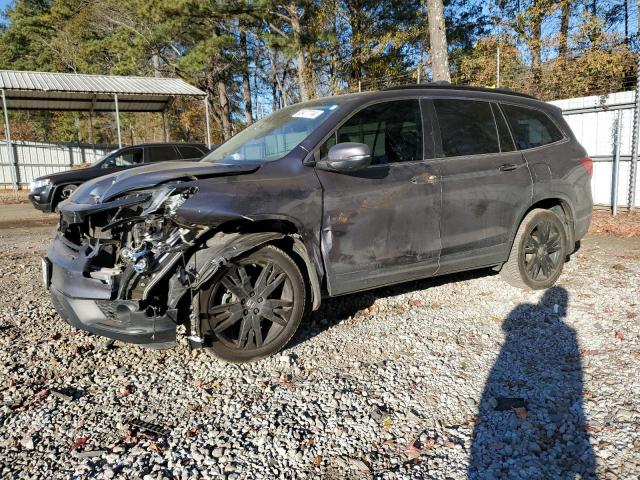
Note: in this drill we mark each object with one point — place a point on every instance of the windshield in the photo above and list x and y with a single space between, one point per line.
274 136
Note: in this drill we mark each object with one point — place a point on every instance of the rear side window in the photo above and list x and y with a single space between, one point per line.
531 128
466 127
161 153
392 130
189 151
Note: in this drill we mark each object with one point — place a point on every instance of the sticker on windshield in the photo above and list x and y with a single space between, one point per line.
308 113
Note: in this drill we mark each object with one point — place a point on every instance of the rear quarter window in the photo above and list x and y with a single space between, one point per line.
531 128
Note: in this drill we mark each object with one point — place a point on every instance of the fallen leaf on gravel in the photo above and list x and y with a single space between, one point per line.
317 460
632 314
79 443
430 443
387 423
618 266
411 450
198 383
521 412
449 444
56 336
619 334
43 393
154 447
125 391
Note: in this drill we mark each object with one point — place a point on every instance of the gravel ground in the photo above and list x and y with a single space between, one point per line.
461 376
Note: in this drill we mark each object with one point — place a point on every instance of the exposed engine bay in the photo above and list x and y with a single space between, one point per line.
130 244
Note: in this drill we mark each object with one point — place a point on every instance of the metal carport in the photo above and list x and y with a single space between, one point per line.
21 90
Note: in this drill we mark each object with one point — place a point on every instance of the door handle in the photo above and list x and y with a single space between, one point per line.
424 178
506 167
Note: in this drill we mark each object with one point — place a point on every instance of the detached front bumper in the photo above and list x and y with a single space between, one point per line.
86 303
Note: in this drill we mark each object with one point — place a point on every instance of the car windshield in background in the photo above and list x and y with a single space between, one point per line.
274 136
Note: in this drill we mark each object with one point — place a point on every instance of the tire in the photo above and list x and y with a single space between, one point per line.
538 252
254 306
65 192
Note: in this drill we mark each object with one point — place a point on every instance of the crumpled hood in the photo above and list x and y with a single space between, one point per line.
103 189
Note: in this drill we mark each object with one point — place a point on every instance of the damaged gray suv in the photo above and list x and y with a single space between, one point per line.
322 198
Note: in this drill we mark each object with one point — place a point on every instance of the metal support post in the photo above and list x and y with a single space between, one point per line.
115 99
615 172
7 132
206 120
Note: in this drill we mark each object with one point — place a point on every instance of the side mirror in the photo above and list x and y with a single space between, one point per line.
346 157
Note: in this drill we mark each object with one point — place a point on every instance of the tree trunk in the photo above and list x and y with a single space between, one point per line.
438 39
155 59
224 109
303 73
536 50
246 83
565 14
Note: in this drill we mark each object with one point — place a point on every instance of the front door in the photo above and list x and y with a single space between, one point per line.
485 183
381 224
127 158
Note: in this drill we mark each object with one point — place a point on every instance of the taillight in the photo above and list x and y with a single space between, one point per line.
587 163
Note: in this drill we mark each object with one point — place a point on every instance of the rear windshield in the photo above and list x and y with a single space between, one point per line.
274 136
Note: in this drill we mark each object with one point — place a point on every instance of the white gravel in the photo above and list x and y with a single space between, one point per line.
461 376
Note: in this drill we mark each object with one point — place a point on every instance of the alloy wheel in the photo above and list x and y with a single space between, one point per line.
543 251
251 305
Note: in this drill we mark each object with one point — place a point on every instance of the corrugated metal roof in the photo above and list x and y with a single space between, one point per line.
105 84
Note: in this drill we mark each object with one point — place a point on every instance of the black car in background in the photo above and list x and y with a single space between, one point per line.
47 191
324 198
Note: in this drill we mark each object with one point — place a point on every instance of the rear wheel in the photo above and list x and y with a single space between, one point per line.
254 306
538 252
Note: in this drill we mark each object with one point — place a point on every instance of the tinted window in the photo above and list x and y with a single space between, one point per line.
466 127
127 158
531 128
392 130
161 153
506 142
187 151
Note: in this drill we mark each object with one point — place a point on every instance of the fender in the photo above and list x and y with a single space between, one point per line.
220 250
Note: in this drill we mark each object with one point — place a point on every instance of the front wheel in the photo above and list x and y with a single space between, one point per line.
538 252
254 306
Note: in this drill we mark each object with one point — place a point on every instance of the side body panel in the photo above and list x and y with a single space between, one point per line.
481 201
558 174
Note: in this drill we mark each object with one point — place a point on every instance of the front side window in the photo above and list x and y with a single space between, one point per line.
132 156
392 130
274 136
467 127
531 128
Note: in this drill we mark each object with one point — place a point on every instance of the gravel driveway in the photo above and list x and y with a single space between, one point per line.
461 376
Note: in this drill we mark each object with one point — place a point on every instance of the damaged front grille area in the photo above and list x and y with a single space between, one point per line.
129 241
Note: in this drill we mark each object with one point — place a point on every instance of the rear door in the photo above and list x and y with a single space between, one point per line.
485 183
380 224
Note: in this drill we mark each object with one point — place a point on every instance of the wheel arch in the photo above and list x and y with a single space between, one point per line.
556 203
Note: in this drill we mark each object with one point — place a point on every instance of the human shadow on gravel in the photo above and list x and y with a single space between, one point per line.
531 422
334 310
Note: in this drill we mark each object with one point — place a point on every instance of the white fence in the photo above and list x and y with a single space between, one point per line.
594 121
35 159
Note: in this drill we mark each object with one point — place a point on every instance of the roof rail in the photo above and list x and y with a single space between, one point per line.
448 86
